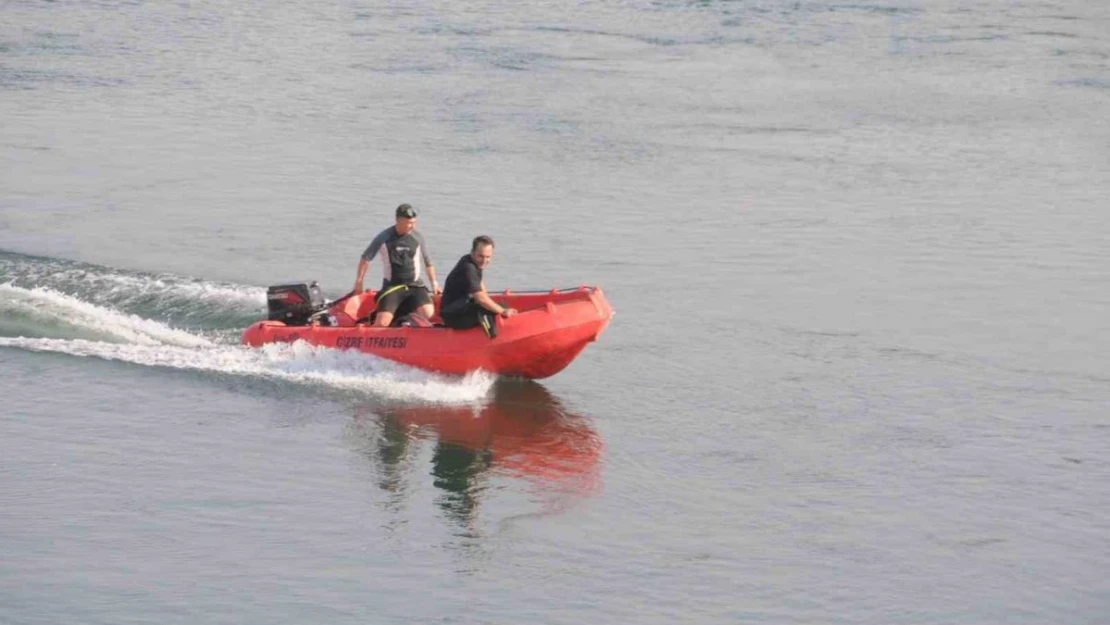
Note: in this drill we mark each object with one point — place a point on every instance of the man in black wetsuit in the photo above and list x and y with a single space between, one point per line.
465 303
404 262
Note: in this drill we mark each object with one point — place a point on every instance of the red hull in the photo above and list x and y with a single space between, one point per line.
552 328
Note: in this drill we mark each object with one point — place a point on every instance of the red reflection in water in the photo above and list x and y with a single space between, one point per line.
521 431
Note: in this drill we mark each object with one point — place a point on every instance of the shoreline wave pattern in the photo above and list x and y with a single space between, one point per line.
159 320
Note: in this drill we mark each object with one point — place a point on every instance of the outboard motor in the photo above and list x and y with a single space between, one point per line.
293 304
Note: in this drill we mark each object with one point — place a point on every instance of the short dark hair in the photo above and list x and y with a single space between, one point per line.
406 211
480 241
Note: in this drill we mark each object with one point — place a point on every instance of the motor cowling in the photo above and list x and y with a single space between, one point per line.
293 304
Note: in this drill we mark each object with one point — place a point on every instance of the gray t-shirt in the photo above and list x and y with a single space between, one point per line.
404 257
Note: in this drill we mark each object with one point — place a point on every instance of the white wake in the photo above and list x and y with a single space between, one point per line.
50 305
114 335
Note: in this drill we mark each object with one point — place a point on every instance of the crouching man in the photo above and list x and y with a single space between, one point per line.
465 303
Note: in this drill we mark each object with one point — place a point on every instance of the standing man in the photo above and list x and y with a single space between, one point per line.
465 303
404 262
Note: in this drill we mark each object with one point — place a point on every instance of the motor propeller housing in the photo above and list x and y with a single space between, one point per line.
293 304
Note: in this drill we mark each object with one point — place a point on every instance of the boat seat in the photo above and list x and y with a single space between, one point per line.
411 320
414 320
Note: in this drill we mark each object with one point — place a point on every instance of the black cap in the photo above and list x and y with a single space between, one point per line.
406 211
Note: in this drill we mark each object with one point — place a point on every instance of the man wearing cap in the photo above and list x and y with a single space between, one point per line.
404 262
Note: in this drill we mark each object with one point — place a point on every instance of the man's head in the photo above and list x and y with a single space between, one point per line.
406 219
481 250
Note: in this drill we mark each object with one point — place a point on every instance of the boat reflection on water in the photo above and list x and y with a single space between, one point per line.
522 431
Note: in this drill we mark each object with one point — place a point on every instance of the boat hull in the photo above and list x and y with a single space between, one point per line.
551 330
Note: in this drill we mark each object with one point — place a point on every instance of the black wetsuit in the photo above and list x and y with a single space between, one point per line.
458 307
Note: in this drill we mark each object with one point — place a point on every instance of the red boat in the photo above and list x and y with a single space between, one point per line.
549 331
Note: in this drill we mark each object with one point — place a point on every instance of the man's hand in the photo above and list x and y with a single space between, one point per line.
435 288
508 312
357 290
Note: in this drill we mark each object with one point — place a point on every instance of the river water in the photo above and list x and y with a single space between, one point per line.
858 372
